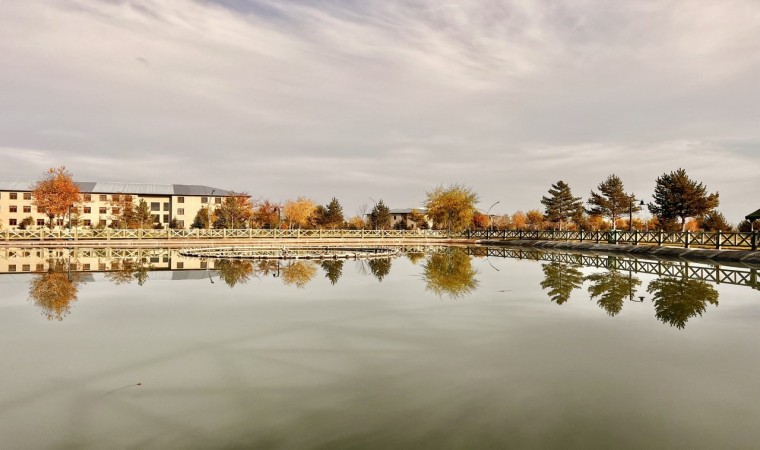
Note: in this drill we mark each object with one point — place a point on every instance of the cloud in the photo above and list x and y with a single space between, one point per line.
385 98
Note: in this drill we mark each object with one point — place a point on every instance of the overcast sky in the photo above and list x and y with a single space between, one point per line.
370 99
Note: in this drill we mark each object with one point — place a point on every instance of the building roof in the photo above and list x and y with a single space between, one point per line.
90 187
408 210
754 216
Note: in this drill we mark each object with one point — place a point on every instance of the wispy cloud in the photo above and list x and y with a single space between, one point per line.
384 98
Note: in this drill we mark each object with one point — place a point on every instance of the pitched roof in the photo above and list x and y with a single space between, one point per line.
90 187
754 216
408 210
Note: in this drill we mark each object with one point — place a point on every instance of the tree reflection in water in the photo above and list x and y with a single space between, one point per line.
126 270
415 257
380 267
676 300
450 272
54 291
298 273
561 280
611 288
234 271
333 269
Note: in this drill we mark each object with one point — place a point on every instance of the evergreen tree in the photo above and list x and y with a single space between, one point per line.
201 218
560 205
715 221
380 217
676 196
612 201
676 300
611 289
143 217
561 280
333 269
334 214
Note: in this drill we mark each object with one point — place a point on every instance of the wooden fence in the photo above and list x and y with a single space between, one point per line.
107 234
687 239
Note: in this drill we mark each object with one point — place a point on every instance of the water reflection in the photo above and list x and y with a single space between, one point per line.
234 271
380 267
678 300
298 273
611 288
55 290
561 280
450 273
125 270
333 269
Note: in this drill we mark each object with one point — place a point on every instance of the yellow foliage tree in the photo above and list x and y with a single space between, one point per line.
451 208
299 211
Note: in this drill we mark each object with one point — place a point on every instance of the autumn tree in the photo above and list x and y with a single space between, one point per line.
480 220
299 211
267 215
560 205
124 213
519 220
234 272
380 217
534 220
418 220
56 193
612 201
380 267
356 223
452 207
298 273
676 196
235 211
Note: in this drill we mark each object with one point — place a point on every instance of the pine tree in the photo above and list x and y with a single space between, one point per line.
676 196
612 201
715 221
380 217
143 217
334 214
560 205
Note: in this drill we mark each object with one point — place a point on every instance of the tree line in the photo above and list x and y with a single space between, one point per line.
678 202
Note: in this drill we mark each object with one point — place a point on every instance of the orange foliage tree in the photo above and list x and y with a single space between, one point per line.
56 193
267 214
480 220
54 291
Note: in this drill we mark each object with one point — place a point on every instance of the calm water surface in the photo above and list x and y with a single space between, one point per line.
447 350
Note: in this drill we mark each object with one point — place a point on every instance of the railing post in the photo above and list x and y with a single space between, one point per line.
635 237
519 234
686 239
7 235
168 233
718 239
754 240
659 238
42 234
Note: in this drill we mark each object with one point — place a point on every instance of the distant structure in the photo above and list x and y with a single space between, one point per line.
752 218
98 207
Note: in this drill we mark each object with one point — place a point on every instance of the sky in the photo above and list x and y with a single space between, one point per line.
383 99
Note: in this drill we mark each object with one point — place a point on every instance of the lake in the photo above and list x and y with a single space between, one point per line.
435 348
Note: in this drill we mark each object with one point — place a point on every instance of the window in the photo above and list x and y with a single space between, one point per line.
85 267
102 210
127 198
27 209
13 208
41 209
27 195
180 265
14 196
87 210
204 264
87 197
180 211
154 259
116 210
101 266
166 218
181 224
87 222
40 268
116 197
204 199
12 222
102 222
155 206
165 258
166 206
180 199
11 268
103 198
40 222
156 218
218 200
26 268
